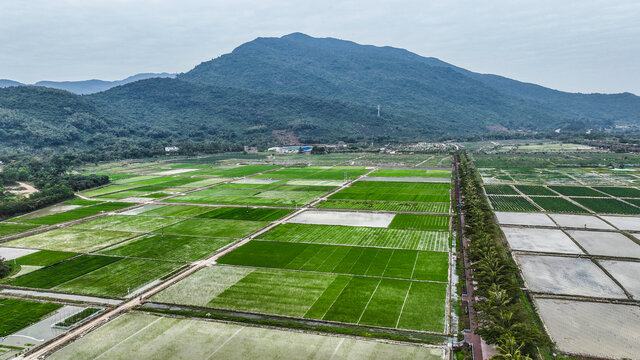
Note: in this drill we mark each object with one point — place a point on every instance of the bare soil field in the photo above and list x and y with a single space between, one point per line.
14 253
624 222
347 218
580 221
541 240
591 328
606 243
627 273
567 276
529 219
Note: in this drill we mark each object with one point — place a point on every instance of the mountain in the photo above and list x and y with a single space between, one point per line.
400 80
298 89
167 110
94 85
6 83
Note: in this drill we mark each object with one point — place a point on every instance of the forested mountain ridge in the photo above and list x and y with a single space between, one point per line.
315 90
397 78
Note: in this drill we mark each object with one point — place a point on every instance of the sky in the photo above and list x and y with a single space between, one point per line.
579 46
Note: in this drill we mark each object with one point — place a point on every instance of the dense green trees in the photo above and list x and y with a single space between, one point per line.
5 268
50 176
503 317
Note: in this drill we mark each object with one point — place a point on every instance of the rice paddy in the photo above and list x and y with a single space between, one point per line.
391 263
342 298
511 203
360 236
391 271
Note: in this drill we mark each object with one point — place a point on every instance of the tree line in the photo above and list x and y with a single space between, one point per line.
504 319
49 175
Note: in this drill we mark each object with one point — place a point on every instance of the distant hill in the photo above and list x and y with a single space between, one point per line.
400 80
6 83
168 110
94 86
298 88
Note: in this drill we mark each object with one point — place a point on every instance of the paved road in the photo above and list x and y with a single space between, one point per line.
100 320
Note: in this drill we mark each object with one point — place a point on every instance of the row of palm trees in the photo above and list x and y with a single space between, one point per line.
503 317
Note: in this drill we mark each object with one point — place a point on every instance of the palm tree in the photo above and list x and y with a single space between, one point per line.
510 350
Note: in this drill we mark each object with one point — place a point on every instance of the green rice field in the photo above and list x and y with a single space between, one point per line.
78 213
344 298
511 203
214 228
577 191
128 223
408 206
620 191
557 204
44 258
168 247
421 222
8 229
360 236
411 173
608 206
500 190
96 275
246 213
176 211
535 190
17 314
391 263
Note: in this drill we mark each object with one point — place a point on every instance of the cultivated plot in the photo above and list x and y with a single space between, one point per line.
17 314
360 236
78 213
567 276
624 222
557 204
97 275
413 179
626 272
344 298
151 337
422 222
511 203
606 243
246 213
71 239
528 219
540 240
408 206
8 229
392 263
169 247
345 218
592 329
214 228
608 206
580 221
127 223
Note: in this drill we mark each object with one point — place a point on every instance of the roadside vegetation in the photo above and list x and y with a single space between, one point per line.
504 318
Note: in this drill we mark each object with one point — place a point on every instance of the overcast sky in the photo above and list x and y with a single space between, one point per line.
580 46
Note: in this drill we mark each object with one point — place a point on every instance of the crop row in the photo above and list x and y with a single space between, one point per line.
360 236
